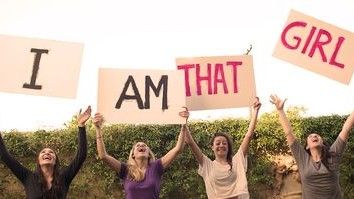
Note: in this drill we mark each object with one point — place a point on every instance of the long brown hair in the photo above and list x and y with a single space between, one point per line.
229 146
56 190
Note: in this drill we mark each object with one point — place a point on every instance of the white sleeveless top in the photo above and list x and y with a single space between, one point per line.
220 182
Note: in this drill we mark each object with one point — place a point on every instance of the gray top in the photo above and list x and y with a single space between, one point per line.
319 183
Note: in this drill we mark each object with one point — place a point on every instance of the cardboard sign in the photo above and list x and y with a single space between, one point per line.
218 82
141 96
39 67
317 46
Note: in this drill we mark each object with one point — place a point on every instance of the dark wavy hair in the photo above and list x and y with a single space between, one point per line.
229 144
56 191
325 153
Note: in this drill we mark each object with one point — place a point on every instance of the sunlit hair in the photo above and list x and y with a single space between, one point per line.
55 192
325 153
134 172
229 146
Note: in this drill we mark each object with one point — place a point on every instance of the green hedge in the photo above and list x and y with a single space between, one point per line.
96 180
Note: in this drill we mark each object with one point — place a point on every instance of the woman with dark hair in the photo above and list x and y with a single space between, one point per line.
48 181
318 162
225 177
141 175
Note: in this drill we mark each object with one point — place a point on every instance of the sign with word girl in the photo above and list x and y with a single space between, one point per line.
218 82
317 46
141 96
39 67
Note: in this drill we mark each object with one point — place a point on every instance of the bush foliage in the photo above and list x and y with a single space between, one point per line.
96 180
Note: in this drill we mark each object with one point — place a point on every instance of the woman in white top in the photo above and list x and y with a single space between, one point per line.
225 177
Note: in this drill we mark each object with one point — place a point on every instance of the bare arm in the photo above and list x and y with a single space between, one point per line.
284 121
195 148
167 159
247 139
344 134
101 149
190 141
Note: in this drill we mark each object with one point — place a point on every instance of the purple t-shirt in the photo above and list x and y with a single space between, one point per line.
149 188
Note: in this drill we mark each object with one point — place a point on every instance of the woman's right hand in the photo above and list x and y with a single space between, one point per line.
98 120
184 127
279 103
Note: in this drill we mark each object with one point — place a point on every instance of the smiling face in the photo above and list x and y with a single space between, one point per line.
220 146
47 157
141 150
314 141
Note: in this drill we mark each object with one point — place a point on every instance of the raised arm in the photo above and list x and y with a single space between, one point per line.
190 141
70 172
167 159
101 149
284 121
253 121
344 134
16 168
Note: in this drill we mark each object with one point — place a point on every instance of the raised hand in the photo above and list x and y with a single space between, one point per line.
256 105
279 104
98 120
82 117
284 121
250 131
184 114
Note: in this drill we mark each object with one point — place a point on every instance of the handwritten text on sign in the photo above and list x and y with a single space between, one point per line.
317 46
39 67
141 96
218 82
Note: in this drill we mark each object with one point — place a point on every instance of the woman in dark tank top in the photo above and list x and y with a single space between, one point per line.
49 181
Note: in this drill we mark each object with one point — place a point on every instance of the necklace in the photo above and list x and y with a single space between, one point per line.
317 165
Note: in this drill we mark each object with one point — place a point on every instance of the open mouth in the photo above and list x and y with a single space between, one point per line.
141 150
47 158
315 140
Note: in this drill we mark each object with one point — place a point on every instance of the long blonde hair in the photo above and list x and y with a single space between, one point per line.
134 172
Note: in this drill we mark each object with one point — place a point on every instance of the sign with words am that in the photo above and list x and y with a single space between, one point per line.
39 67
317 46
218 82
141 96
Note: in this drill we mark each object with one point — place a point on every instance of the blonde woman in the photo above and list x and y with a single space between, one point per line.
141 175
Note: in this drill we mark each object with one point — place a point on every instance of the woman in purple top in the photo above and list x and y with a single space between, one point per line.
142 173
48 181
318 162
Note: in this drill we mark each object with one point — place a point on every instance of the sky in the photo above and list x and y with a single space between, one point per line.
140 34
